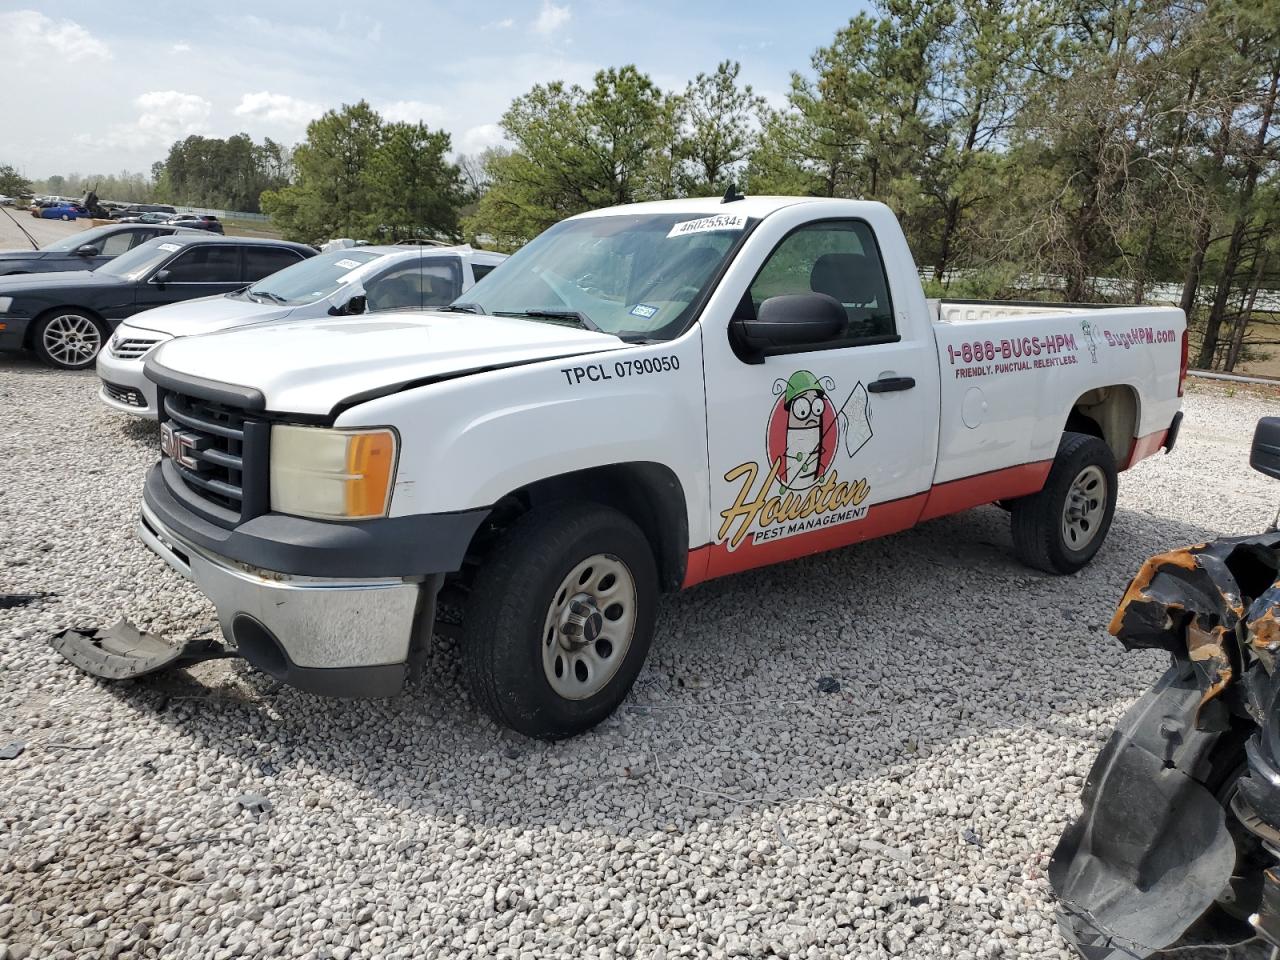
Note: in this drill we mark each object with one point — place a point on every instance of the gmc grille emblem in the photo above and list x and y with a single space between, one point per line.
180 445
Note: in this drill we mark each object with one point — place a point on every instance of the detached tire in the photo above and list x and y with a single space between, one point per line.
68 339
1059 529
560 619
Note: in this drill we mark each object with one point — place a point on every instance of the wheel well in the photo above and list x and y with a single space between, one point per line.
31 327
649 493
1111 415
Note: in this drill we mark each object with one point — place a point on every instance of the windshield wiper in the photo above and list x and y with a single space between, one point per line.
273 297
577 316
461 308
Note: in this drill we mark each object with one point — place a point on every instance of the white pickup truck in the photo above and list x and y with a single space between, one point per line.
641 399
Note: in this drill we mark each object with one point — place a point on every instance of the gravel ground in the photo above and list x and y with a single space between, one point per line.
731 808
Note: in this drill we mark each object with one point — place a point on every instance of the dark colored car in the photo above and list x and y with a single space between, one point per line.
134 209
203 221
86 250
66 317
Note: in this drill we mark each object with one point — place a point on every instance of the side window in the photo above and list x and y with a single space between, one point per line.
419 283
116 244
840 259
142 236
206 264
261 262
481 270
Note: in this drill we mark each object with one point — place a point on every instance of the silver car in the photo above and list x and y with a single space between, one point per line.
341 282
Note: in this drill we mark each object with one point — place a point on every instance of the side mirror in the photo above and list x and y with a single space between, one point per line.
1265 454
88 250
161 277
789 321
357 304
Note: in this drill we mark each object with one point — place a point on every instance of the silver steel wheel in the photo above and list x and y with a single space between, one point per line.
1086 503
588 628
71 339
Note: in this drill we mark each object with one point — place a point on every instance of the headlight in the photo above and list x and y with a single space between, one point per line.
5 304
332 474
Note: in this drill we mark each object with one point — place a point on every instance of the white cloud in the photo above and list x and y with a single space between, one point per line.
550 18
30 35
166 115
182 47
278 108
413 111
476 139
506 23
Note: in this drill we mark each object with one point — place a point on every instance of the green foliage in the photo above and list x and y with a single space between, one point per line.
357 176
122 186
228 174
12 183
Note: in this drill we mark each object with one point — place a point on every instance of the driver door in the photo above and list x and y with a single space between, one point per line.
824 444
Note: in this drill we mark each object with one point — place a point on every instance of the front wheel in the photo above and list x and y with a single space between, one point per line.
560 619
1059 529
68 339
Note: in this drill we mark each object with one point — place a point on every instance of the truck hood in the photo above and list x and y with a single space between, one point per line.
207 315
317 366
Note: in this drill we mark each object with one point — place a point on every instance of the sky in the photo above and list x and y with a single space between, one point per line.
93 87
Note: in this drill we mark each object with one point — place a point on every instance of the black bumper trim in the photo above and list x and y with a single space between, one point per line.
1171 437
388 547
231 394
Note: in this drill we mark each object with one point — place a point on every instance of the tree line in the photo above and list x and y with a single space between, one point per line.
1077 150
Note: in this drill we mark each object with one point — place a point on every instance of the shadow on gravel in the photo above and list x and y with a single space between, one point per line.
932 637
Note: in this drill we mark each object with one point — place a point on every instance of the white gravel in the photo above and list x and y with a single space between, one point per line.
729 809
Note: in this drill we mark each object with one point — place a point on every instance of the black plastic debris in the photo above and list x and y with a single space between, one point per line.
828 685
13 749
254 803
122 651
1182 799
11 601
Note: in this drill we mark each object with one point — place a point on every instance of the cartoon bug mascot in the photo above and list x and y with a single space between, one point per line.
806 426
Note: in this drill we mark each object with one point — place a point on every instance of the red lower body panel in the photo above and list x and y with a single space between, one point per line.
1144 447
882 519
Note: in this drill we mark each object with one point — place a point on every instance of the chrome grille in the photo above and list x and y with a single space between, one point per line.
132 348
127 395
219 454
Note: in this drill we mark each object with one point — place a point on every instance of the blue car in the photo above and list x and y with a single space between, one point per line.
65 211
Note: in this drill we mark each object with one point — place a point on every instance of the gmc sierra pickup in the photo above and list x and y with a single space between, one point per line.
641 399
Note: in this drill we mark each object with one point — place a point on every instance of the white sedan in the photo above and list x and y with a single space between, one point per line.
338 283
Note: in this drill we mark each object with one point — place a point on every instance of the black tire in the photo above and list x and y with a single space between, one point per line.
511 602
1037 520
66 361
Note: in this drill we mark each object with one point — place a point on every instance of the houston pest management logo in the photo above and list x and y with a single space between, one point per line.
810 432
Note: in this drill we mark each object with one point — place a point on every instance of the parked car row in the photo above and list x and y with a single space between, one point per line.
64 301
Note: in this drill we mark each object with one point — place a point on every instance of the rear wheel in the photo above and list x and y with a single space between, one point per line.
1059 529
560 618
68 339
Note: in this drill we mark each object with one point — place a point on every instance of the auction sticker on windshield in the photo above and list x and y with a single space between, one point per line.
170 247
723 221
347 264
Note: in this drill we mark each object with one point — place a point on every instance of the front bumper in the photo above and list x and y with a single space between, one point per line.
340 637
125 386
14 332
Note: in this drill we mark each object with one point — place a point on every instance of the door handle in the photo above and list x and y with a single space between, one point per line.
891 384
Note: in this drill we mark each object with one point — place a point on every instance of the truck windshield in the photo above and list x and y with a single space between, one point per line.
628 275
312 279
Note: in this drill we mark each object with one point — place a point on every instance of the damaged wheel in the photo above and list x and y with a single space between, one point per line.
559 619
1059 529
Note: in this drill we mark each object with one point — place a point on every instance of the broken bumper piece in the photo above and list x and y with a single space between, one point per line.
122 652
1181 810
